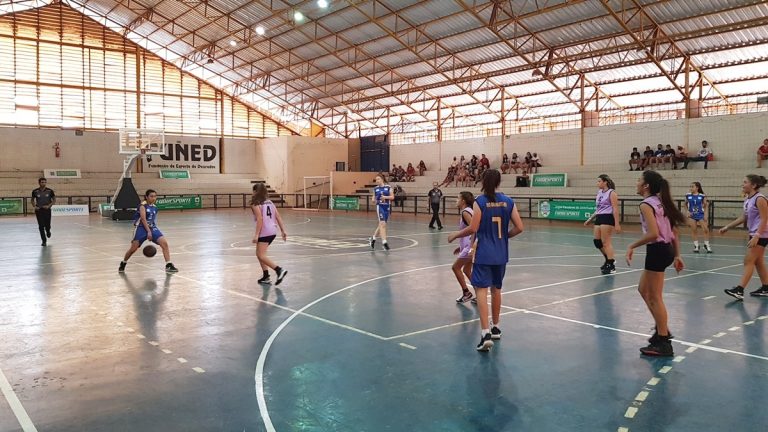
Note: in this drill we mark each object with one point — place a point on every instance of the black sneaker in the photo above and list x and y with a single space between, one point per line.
695 249
736 292
655 336
708 248
371 241
467 296
281 275
485 344
609 269
44 243
495 333
170 268
386 246
265 280
760 292
48 233
439 228
121 269
602 267
661 347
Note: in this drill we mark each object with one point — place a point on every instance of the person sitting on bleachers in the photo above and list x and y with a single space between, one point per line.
762 153
669 156
484 162
505 164
451 173
401 173
636 160
399 195
535 163
658 157
393 173
681 155
422 168
527 161
461 176
647 156
410 173
522 179
473 163
704 155
514 163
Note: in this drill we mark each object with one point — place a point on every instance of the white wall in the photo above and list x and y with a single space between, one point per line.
32 150
287 160
733 139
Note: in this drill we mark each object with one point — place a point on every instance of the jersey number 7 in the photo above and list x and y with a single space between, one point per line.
497 220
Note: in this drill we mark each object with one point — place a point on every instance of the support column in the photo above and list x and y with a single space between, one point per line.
503 121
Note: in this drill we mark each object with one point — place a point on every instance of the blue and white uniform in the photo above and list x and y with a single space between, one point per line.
695 206
492 238
139 232
382 205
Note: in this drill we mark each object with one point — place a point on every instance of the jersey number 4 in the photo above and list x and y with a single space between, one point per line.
269 212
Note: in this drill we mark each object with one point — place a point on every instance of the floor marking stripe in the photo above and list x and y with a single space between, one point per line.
153 343
631 411
141 336
653 381
665 369
762 317
181 360
678 359
734 328
721 334
749 322
15 404
623 429
642 396
167 351
198 369
708 297
691 349
705 341
407 346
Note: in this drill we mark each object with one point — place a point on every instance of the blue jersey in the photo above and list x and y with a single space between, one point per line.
695 205
151 215
492 235
382 191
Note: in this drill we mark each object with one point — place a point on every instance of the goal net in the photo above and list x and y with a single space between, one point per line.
318 192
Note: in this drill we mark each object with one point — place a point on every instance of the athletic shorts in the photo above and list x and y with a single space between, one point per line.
486 275
763 241
659 256
140 234
605 219
697 217
267 239
466 252
382 212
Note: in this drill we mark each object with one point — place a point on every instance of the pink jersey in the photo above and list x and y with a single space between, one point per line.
666 235
752 214
269 219
603 202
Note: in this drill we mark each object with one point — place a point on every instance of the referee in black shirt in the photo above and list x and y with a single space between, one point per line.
434 202
43 198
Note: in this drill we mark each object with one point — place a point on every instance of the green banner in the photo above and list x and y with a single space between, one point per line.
64 173
179 202
566 210
13 206
346 203
558 180
174 174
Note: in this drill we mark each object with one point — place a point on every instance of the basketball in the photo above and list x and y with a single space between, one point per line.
149 251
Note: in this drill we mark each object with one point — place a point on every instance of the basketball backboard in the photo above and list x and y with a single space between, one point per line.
141 141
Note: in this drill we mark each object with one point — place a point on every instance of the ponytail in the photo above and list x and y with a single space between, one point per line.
658 185
491 181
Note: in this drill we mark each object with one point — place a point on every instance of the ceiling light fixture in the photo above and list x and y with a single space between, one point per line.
298 16
322 3
260 30
233 43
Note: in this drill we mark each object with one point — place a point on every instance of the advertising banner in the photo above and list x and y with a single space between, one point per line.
566 210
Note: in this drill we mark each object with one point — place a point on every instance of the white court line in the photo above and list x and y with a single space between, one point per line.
665 369
568 281
642 396
15 404
708 297
259 373
407 346
631 411
653 381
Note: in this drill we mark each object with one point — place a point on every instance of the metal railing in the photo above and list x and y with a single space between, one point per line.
720 211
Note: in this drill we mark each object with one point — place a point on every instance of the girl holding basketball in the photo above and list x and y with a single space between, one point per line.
145 228
463 264
756 217
606 219
659 217
697 216
267 221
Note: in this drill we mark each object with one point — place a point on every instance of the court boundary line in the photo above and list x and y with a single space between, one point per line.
13 401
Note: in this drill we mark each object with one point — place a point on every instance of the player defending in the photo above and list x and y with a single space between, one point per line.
145 228
463 264
267 221
382 197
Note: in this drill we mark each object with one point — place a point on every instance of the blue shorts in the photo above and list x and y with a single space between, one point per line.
382 212
140 234
697 217
487 276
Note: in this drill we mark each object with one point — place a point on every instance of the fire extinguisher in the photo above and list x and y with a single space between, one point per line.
57 150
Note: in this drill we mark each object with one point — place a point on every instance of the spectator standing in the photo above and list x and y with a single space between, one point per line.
435 195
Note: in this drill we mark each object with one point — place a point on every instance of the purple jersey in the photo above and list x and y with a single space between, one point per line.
752 214
269 219
603 202
465 243
666 235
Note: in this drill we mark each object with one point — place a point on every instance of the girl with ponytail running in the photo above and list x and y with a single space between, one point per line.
659 217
